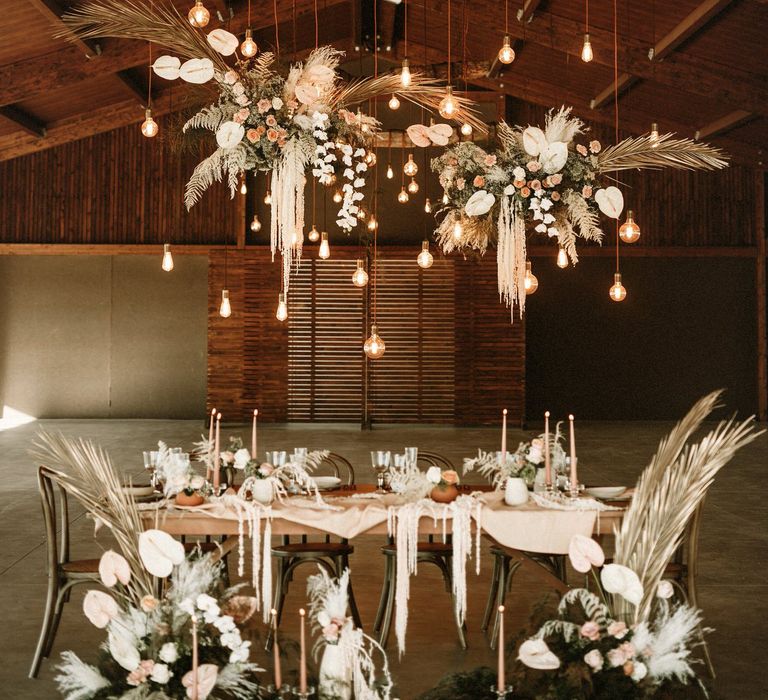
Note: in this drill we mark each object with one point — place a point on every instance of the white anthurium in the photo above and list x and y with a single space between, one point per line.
440 134
434 475
585 553
122 645
196 70
535 653
229 134
242 457
611 201
534 140
319 74
159 552
479 203
100 608
114 567
223 41
622 581
166 67
206 679
553 157
307 94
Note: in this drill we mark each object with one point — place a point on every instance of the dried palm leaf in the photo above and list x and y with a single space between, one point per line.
91 478
665 152
668 492
162 24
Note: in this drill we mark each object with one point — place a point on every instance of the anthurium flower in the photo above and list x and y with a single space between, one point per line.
535 653
196 70
585 553
553 157
167 67
623 581
479 203
100 608
611 201
418 135
534 140
159 552
206 679
223 41
229 134
114 567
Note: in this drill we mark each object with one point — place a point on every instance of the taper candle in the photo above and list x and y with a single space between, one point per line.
501 681
547 457
504 436
209 470
195 691
574 478
276 652
216 456
303 660
253 434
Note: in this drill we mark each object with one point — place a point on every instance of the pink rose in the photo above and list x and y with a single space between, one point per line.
534 166
460 183
230 77
617 657
594 659
586 191
271 121
265 469
556 179
140 674
252 135
590 630
525 192
272 135
519 183
453 161
629 668
479 181
617 629
595 146
242 115
555 196
238 89
489 161
450 477
535 185
581 149
263 105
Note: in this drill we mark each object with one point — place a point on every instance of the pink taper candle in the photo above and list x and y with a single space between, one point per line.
547 462
574 478
501 681
303 660
216 456
504 436
210 446
195 693
276 652
253 434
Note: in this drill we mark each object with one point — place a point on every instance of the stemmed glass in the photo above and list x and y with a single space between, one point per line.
150 464
411 455
380 461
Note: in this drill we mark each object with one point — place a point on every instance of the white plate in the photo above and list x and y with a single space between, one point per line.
138 491
327 482
606 491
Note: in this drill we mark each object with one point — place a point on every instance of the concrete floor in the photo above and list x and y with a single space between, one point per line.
734 548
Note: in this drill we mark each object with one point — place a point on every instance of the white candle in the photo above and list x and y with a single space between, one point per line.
253 434
216 456
276 652
504 436
501 680
210 446
194 659
547 463
574 478
303 660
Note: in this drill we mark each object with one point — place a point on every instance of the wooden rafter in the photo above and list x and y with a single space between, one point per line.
692 23
526 12
723 124
53 10
138 91
25 121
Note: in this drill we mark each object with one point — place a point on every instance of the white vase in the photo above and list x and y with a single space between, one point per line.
335 674
516 492
263 491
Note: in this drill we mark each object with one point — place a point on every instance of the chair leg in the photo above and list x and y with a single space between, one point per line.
61 598
492 593
42 643
390 602
383 597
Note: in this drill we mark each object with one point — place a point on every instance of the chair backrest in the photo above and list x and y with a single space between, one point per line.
432 459
340 466
57 543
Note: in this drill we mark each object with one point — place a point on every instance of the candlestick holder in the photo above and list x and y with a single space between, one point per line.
503 693
284 691
574 492
296 692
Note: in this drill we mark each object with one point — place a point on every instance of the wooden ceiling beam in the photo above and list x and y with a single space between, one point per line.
526 12
25 121
138 90
692 23
53 10
724 124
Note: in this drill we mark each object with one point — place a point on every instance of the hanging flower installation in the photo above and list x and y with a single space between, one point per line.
543 178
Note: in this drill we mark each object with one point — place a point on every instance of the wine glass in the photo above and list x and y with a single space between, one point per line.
380 461
411 455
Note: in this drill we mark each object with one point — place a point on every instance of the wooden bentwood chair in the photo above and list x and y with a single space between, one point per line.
440 554
332 556
63 572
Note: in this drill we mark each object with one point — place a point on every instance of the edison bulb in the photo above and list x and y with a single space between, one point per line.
297 238
255 224
268 197
424 258
458 230
629 231
654 135
427 206
225 309
530 282
448 106
314 234
374 346
405 74
466 129
372 223
325 249
413 186
199 16
562 258
361 214
617 291
411 167
360 276
248 48
390 172
167 264
337 196
506 52
394 103
403 196
586 50
243 187
149 126
282 308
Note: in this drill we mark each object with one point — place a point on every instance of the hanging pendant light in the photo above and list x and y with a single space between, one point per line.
199 16
394 103
448 106
149 126
243 186
629 231
586 50
337 196
225 309
562 258
466 129
413 186
372 223
654 135
411 167
167 263
255 224
248 48
268 197
403 196
325 249
427 206
314 234
374 346
530 282
617 291
458 230
424 258
360 276
405 74
506 52
282 308
390 172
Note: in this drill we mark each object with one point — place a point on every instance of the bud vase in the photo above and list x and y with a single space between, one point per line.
335 674
516 492
263 491
195 499
444 494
